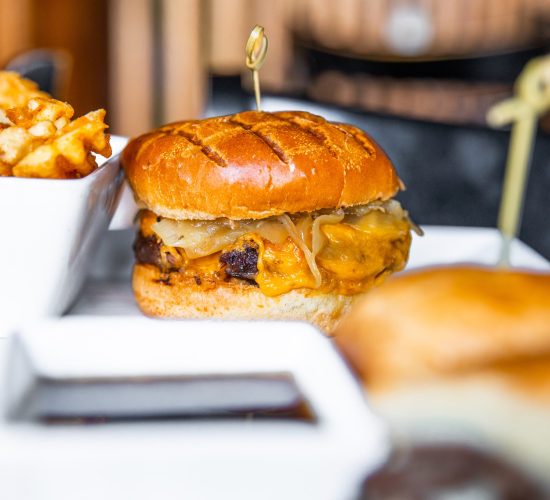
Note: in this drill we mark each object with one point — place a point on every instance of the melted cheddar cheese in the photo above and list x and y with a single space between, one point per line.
355 253
282 268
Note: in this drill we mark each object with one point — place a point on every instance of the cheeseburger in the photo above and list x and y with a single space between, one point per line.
262 215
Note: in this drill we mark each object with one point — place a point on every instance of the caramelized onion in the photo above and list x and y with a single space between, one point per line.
197 238
318 239
303 225
300 243
271 229
202 238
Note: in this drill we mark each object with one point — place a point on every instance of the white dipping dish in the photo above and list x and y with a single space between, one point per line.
325 458
50 230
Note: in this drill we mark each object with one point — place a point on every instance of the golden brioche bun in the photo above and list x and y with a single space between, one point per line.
501 410
461 353
182 297
447 320
252 165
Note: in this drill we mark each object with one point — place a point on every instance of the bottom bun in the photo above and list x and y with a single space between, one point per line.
181 297
486 409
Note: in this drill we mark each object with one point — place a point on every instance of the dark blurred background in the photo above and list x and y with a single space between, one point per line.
419 75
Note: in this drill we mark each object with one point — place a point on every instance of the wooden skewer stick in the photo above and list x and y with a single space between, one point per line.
256 51
532 99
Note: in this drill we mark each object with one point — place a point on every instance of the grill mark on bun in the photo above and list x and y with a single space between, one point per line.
205 148
360 139
319 127
276 148
313 130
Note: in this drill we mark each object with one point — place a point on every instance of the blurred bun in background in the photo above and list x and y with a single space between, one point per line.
459 354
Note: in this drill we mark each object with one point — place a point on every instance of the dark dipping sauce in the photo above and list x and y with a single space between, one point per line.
133 399
449 472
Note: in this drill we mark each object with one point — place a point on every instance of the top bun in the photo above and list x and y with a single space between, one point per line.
441 321
256 164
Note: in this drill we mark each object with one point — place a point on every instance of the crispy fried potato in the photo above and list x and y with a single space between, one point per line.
16 91
41 109
15 144
67 154
38 138
5 170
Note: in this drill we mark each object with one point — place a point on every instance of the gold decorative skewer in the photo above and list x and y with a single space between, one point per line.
532 100
256 50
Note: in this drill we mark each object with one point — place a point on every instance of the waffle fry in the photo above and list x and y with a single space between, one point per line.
16 91
38 138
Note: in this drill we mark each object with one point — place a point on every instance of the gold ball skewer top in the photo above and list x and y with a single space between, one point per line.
256 52
256 48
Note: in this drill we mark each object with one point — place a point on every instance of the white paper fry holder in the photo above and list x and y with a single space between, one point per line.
268 408
54 228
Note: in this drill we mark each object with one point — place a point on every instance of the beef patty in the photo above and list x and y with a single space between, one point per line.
147 250
241 263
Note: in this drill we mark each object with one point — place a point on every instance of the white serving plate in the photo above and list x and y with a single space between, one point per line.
196 459
450 245
52 228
